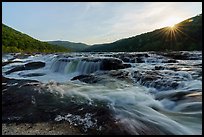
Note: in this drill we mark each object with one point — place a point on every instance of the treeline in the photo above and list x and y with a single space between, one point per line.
70 45
186 35
15 41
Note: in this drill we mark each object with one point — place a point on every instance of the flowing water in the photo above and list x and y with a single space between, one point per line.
153 95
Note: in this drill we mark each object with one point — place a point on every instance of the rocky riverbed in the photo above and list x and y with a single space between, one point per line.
139 93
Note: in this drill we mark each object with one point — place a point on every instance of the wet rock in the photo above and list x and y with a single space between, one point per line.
23 56
8 83
173 68
142 55
28 66
126 65
30 102
87 78
181 96
159 68
104 63
3 79
166 68
170 61
120 74
33 103
130 55
132 61
181 55
112 64
125 59
34 65
9 62
32 74
17 99
156 79
165 84
139 60
132 58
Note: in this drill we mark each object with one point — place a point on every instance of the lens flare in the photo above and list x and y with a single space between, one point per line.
171 21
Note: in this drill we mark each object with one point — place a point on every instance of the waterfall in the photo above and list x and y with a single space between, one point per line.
79 65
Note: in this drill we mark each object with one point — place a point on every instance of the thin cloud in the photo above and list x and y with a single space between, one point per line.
93 22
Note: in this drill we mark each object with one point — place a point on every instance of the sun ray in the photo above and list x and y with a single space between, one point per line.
171 21
172 34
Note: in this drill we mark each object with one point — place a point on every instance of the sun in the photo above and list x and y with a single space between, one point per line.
172 26
172 31
171 21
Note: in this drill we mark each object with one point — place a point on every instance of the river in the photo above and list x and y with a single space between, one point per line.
137 93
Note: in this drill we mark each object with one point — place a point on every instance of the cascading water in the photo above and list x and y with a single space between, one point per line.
151 96
79 65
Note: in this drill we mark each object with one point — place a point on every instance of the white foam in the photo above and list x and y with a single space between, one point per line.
132 103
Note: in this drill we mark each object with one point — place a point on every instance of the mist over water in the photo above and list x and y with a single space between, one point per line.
153 95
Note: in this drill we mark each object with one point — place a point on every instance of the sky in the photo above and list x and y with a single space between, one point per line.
94 22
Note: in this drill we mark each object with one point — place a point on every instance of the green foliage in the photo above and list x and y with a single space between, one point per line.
15 41
70 45
187 35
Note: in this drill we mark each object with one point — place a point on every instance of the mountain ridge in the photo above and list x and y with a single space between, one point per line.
16 41
74 46
188 34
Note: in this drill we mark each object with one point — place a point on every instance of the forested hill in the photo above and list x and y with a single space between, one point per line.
71 45
15 41
186 35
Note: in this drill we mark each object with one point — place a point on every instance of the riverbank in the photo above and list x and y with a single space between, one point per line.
44 128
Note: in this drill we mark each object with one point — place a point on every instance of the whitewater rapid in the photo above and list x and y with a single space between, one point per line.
138 105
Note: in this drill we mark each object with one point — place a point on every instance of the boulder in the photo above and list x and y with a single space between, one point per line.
113 64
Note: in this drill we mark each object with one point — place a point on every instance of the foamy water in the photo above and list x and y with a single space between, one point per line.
137 107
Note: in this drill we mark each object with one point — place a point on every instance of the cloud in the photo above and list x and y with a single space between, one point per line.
91 5
93 22
132 20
